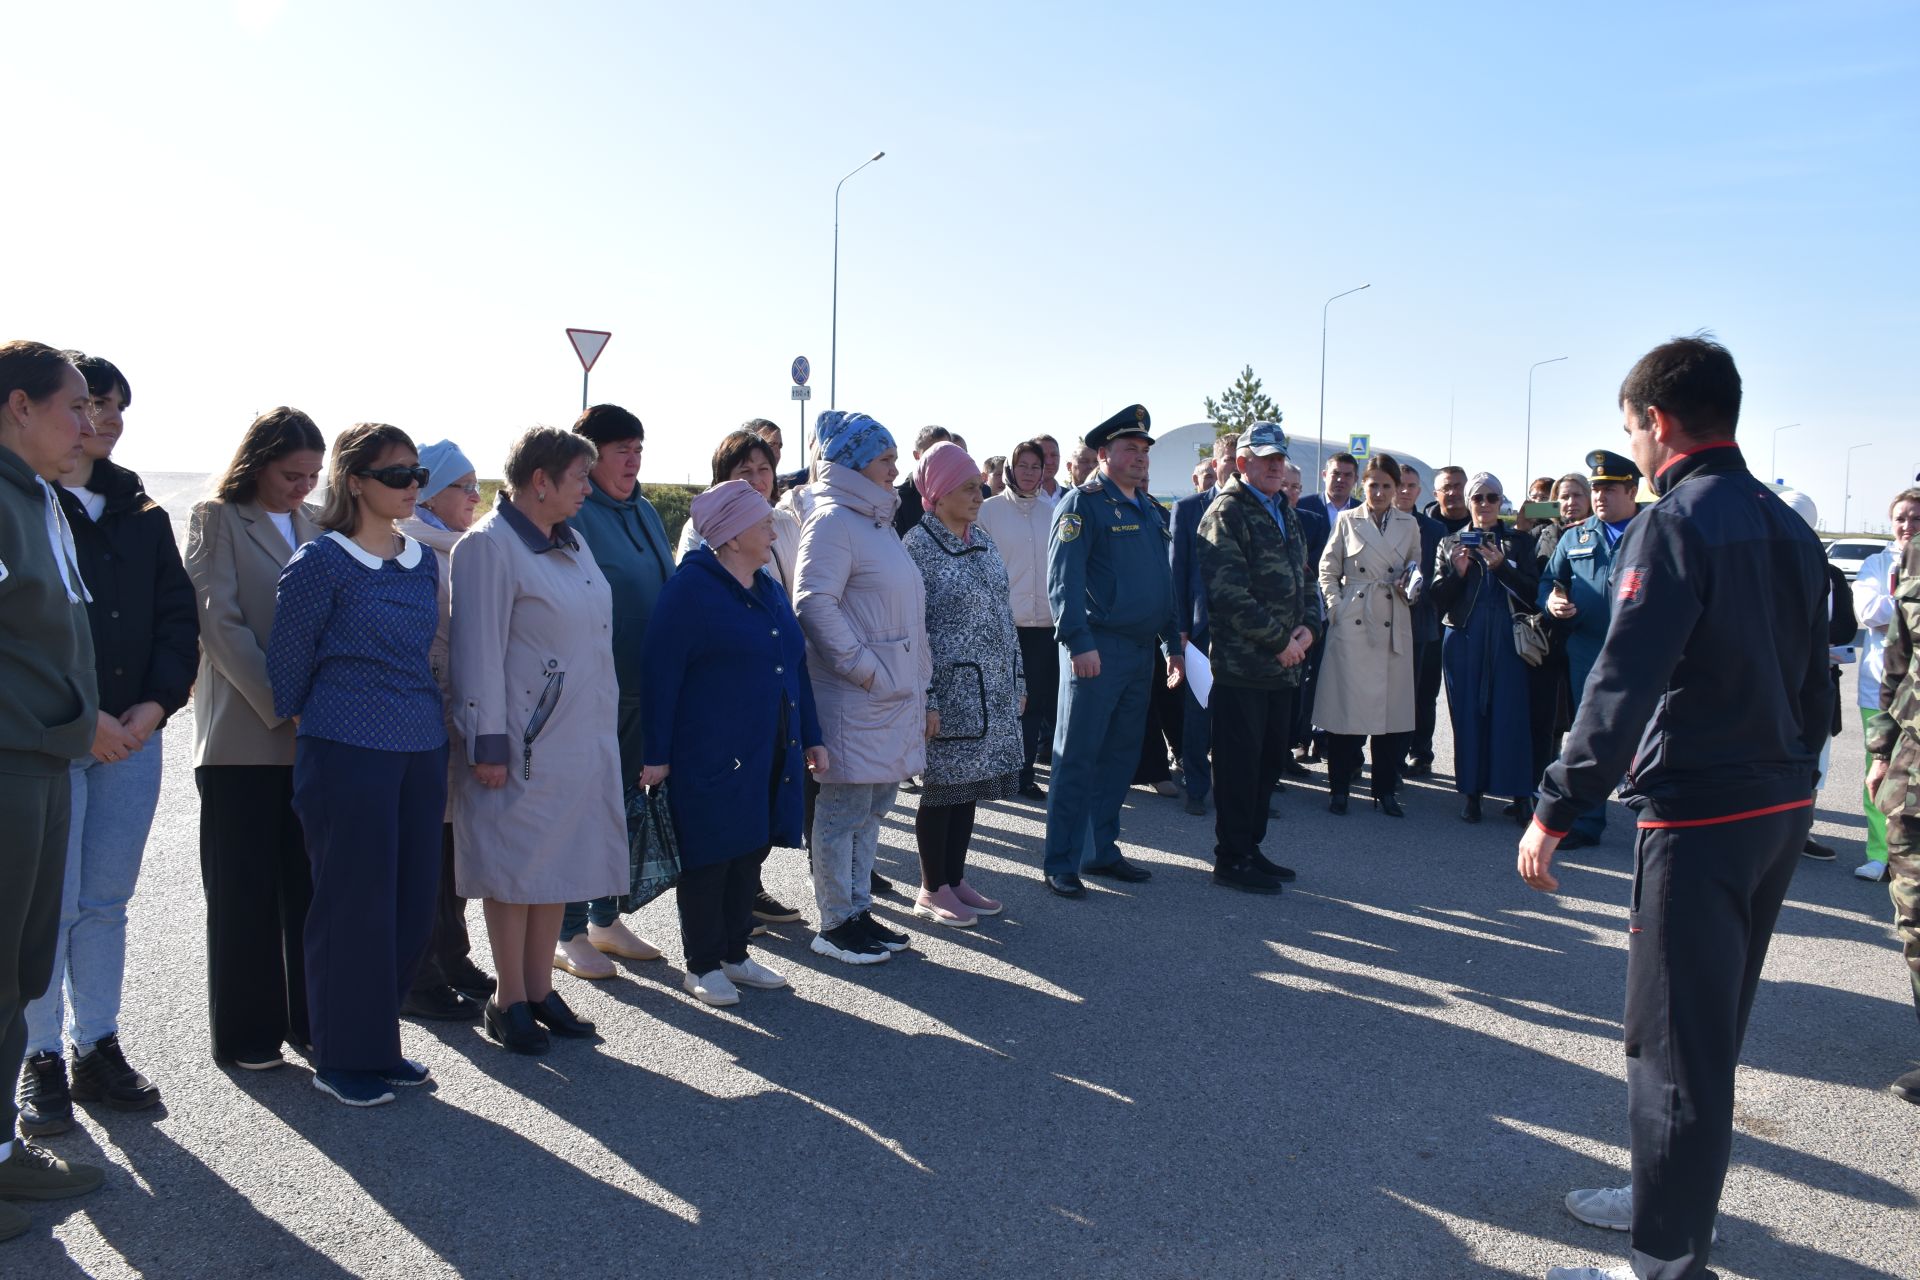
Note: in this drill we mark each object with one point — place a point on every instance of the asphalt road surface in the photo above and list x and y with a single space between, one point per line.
1396 1069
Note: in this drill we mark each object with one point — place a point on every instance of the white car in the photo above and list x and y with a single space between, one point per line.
1848 554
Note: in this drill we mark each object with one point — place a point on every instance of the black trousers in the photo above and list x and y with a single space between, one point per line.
1690 988
35 812
1303 734
1547 706
1160 737
716 911
449 950
942 833
1251 732
258 886
1040 662
1343 761
1426 699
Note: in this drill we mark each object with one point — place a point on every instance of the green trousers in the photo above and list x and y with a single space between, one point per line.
1876 820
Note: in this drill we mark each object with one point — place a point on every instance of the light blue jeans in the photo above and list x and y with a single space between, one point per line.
113 808
846 837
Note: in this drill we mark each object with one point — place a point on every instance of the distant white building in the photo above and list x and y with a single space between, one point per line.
1176 453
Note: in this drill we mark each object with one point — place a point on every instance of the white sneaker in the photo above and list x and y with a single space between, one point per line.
711 988
1875 871
618 940
752 973
1622 1272
578 957
1608 1207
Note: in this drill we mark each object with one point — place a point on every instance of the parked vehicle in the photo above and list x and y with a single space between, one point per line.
1850 553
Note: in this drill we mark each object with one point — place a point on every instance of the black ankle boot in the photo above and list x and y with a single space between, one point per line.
1470 812
1337 804
1389 804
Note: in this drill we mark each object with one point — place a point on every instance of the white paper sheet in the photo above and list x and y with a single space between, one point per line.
1199 674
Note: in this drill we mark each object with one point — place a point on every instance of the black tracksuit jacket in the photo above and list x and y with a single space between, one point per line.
1711 694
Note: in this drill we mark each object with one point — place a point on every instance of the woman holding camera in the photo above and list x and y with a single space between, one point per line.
1479 574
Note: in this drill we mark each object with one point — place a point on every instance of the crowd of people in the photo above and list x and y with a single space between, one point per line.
401 704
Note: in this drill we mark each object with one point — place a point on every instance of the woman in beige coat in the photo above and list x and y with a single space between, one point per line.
538 817
864 610
253 854
1369 572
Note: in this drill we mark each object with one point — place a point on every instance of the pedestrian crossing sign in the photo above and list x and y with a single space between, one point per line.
1359 446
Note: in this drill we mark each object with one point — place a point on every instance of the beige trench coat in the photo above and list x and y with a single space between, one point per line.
1366 680
557 832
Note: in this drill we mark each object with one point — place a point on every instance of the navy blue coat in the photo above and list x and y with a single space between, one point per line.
1189 588
1317 528
726 703
1426 618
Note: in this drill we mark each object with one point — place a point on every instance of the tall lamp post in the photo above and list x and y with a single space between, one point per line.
833 356
1846 500
1526 476
1320 441
1773 459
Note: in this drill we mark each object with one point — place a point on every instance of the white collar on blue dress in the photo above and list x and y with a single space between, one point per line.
409 551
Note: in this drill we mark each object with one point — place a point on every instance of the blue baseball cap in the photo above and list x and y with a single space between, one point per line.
1263 440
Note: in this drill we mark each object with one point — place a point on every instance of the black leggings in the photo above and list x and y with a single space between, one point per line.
942 833
1343 761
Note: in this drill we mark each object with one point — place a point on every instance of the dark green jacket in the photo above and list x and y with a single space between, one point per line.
1259 588
49 701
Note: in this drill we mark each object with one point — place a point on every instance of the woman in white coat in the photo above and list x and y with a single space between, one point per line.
1368 574
538 815
863 607
1019 520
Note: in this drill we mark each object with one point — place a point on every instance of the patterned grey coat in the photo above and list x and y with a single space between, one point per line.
977 680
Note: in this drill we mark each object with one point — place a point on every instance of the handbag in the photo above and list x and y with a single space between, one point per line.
653 850
1531 639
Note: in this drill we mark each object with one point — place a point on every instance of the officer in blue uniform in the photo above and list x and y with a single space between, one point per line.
1110 586
1577 589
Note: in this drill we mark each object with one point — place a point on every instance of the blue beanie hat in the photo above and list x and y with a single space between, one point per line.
445 464
852 439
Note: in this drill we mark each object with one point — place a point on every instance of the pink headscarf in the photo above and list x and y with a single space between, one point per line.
727 510
941 470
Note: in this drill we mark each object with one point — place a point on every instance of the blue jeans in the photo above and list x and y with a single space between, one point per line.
846 837
112 810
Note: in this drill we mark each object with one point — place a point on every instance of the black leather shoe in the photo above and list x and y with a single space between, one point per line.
1389 804
514 1027
878 885
469 980
1292 768
553 1014
102 1074
1522 810
1337 804
1470 811
1907 1086
439 1004
1120 869
1574 840
46 1107
1262 863
1511 808
1067 886
1033 791
1245 877
1418 769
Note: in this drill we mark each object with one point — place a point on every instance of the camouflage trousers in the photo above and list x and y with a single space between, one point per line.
1903 865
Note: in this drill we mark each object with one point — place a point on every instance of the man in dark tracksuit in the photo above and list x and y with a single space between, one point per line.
1711 695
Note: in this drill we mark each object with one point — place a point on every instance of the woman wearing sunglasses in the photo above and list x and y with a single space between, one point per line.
354 621
1478 575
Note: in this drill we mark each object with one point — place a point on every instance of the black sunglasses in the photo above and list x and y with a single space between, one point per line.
396 477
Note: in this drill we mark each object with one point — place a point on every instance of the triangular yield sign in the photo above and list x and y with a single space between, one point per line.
588 344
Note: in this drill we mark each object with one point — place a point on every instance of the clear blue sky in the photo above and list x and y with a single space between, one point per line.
391 212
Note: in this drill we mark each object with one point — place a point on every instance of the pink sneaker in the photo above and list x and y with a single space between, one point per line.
982 905
942 907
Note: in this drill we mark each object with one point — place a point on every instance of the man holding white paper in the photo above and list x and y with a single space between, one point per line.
1261 607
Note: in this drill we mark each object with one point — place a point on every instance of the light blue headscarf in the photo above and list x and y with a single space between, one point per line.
444 463
852 439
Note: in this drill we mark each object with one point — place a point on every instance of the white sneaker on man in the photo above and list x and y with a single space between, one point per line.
711 988
1870 870
1621 1272
1608 1207
751 973
578 957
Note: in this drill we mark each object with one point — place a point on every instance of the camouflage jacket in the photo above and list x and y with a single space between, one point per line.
1259 588
1893 734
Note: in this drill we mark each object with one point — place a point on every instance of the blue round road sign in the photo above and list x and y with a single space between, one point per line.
801 370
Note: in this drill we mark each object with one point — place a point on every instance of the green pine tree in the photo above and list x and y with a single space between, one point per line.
1241 405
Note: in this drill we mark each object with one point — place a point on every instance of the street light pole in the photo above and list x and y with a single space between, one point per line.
1526 476
833 356
1846 500
1320 441
1773 459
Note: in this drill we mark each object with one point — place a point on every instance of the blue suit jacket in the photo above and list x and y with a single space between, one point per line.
1317 503
1189 588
